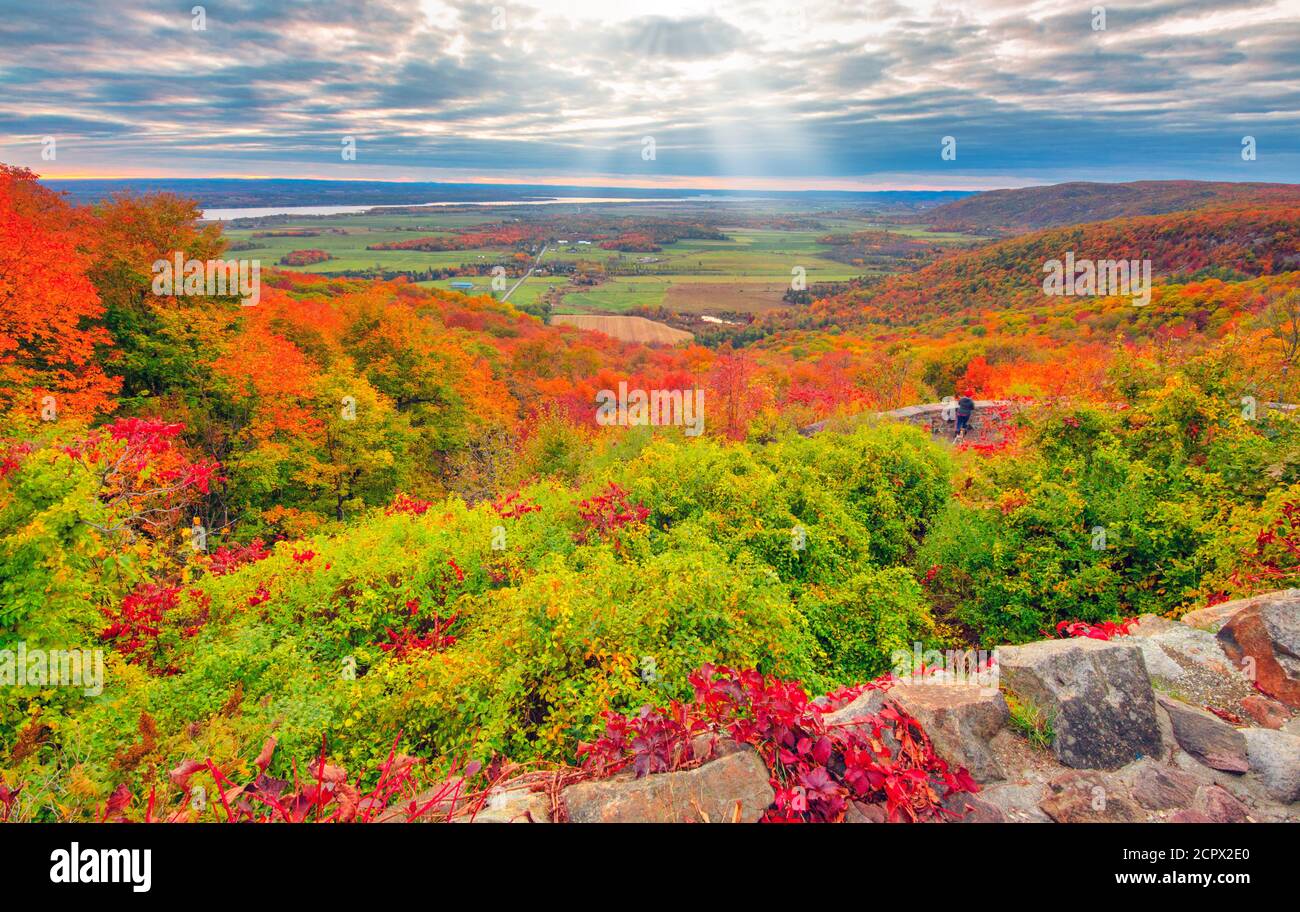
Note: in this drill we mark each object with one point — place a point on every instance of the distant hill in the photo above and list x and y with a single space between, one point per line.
1032 208
265 192
1008 274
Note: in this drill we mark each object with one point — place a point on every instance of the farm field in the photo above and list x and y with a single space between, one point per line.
732 297
626 329
528 294
682 294
745 272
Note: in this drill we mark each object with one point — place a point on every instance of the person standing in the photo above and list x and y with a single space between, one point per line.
965 408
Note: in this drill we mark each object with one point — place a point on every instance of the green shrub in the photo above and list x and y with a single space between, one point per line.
860 624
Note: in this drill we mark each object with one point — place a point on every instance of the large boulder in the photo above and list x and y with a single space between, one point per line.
1206 737
731 789
1275 756
1264 636
1096 693
960 719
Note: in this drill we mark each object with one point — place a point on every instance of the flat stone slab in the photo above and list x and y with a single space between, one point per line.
1206 737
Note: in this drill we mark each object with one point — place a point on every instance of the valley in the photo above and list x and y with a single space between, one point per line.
596 263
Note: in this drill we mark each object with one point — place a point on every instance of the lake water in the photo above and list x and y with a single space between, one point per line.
226 215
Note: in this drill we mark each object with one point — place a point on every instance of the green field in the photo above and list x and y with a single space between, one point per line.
527 294
747 272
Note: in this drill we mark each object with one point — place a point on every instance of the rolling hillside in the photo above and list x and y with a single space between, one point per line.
1032 208
1229 244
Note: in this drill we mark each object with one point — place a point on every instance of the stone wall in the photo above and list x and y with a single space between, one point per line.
986 425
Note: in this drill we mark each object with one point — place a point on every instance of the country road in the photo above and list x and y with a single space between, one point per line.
537 262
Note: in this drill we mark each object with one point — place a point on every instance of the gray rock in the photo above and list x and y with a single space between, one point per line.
866 705
1170 649
1158 662
1096 693
713 745
862 709
1206 737
960 719
861 812
1214 617
733 788
1275 755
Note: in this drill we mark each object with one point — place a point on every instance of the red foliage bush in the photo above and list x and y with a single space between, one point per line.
134 626
404 503
1275 561
229 558
1106 630
325 797
608 513
816 768
513 506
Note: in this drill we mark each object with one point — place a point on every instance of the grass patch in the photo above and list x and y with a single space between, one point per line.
1036 724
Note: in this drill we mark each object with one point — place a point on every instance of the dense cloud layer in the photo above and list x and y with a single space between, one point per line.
837 91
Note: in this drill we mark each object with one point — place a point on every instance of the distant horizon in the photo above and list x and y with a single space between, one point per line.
743 185
558 184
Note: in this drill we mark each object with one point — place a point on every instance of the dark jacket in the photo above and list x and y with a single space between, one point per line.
965 406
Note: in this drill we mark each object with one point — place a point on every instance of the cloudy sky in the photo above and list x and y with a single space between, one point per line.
741 93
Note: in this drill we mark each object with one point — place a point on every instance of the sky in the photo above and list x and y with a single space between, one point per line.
737 95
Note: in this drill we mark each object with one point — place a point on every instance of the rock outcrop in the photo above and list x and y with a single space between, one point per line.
1161 725
1263 637
1096 693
